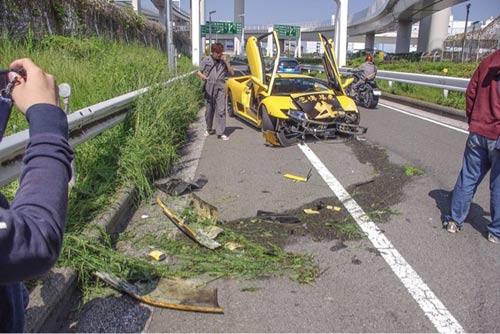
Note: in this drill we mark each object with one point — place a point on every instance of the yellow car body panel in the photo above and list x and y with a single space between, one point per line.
287 105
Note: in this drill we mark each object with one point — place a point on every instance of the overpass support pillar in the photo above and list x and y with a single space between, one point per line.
270 43
341 31
239 16
433 30
438 29
370 41
137 6
423 34
298 47
195 32
202 21
403 38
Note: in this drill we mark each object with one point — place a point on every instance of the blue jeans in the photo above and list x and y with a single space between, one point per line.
480 156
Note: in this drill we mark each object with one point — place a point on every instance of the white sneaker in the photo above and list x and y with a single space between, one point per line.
224 137
207 133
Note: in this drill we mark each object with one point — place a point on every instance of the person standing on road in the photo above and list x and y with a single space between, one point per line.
482 150
31 229
214 71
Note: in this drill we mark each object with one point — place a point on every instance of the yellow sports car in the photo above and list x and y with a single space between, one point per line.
288 107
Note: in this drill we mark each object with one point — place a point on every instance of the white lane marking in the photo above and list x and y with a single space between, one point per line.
425 119
3 225
437 313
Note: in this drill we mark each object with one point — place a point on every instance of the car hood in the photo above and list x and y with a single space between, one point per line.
320 106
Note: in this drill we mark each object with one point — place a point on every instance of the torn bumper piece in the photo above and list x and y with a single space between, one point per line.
168 293
277 217
199 236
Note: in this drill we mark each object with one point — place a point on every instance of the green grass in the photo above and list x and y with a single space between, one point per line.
132 154
411 171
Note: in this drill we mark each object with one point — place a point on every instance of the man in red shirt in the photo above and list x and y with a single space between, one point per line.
482 150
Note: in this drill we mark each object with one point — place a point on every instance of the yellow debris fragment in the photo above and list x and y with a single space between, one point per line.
298 178
311 212
232 245
157 255
334 208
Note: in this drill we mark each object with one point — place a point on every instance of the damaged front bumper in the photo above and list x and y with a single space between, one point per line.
299 124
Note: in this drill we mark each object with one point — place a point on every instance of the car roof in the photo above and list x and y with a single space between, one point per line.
288 58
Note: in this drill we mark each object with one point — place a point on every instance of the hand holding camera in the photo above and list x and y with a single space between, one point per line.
33 88
25 84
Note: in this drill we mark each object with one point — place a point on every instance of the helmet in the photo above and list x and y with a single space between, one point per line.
368 57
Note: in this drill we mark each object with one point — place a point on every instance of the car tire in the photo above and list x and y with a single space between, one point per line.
284 137
229 104
267 122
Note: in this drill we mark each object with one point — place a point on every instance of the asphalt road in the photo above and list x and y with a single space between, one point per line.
358 290
408 275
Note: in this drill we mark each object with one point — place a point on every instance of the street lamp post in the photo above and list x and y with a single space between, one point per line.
242 43
465 30
210 27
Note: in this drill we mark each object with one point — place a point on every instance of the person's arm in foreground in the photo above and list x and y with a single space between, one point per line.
31 230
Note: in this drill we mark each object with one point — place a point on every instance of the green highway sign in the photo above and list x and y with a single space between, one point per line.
287 31
225 28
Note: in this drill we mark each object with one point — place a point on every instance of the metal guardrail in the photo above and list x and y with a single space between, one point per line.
84 124
436 81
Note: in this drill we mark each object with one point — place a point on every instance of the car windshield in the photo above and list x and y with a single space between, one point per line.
288 63
287 86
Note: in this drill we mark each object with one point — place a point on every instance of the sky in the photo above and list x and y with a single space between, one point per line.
301 11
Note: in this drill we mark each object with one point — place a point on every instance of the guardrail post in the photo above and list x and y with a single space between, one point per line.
445 93
65 92
390 84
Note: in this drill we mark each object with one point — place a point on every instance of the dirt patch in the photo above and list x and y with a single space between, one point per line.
375 196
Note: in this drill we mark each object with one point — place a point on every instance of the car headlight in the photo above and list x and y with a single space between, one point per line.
297 114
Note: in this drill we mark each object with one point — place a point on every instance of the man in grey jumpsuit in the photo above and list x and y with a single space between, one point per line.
214 70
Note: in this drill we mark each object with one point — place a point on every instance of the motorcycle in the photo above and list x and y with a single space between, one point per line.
366 94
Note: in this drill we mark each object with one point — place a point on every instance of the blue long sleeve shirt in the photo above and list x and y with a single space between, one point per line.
31 229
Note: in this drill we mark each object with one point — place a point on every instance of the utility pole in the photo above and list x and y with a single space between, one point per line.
465 30
170 44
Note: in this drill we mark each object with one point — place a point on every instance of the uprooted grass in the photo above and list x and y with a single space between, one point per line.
185 258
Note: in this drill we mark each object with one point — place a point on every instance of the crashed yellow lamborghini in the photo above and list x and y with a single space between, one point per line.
289 107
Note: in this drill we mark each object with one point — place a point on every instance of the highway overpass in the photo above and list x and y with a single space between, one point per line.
382 16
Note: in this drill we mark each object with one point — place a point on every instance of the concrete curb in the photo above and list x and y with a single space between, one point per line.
51 298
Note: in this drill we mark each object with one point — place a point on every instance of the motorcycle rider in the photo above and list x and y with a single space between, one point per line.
367 71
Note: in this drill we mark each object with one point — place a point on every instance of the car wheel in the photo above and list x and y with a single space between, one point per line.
285 136
229 104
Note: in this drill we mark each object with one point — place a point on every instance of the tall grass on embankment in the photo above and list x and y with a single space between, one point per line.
132 151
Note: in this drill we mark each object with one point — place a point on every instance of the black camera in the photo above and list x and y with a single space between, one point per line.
6 100
4 79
